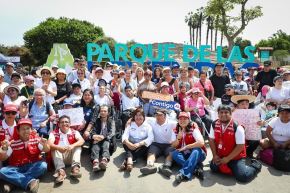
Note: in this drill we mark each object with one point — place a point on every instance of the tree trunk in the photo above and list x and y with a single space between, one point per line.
207 32
196 38
190 36
193 36
230 45
222 38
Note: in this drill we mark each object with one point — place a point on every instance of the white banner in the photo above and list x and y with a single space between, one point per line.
76 115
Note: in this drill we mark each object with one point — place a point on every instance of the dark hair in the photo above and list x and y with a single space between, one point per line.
276 78
154 72
92 103
242 100
138 110
224 107
188 127
63 117
203 72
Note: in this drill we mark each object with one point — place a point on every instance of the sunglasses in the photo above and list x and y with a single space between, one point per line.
10 113
45 73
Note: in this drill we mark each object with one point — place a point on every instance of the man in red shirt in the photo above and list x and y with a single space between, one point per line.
227 143
24 157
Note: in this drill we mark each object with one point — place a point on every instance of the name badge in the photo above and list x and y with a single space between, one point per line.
220 146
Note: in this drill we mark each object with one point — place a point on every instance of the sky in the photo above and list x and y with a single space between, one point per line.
145 21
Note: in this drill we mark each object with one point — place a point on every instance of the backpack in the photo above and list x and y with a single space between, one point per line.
31 103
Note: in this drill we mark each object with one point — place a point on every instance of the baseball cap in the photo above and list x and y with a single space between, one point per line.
283 107
24 122
164 84
10 64
10 107
68 102
175 65
229 86
267 63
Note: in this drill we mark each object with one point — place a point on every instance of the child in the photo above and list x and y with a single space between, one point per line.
181 97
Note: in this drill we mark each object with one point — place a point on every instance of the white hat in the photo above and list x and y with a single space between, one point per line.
164 84
38 72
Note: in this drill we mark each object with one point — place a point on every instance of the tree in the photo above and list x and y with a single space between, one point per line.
242 43
108 40
137 52
3 49
26 57
188 21
229 25
74 32
279 41
280 55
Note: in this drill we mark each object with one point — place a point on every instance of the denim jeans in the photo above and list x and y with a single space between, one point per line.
240 170
148 109
189 161
21 176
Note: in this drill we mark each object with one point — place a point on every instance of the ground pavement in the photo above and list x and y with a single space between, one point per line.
269 180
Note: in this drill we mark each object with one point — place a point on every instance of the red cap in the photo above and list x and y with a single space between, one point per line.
184 114
24 121
10 107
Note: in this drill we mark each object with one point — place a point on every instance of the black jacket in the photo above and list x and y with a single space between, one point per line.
97 127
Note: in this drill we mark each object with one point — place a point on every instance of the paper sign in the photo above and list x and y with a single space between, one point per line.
76 115
155 96
249 118
170 105
107 75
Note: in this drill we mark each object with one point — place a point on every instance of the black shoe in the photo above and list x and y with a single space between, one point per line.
256 164
199 173
165 170
148 170
179 178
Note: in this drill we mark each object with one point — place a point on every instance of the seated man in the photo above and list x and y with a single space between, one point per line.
101 135
227 143
163 131
66 149
24 157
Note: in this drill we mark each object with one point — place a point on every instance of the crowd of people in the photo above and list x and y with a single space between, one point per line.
33 134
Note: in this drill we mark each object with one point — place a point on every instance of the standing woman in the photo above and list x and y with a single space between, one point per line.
184 79
46 83
136 139
115 88
172 82
82 80
190 150
157 75
139 76
63 88
205 86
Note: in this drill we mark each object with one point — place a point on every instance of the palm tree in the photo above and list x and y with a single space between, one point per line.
188 19
216 30
211 34
208 21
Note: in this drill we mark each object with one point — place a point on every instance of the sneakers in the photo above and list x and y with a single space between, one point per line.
148 170
165 170
198 172
103 164
60 176
96 166
33 186
179 178
75 172
256 164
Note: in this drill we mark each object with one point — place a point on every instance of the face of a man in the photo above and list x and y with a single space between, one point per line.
64 124
104 112
243 105
160 118
224 116
24 132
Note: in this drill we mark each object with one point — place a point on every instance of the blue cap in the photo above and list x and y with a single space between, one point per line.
68 102
175 65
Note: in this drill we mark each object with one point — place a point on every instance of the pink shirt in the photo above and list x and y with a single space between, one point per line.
207 85
199 104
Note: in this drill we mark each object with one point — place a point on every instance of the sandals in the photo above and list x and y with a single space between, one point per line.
126 166
129 167
76 172
60 176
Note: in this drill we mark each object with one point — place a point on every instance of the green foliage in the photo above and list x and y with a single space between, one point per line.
280 55
73 32
108 40
279 41
137 52
3 49
26 57
242 43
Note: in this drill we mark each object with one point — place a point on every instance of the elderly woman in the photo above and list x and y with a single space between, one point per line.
136 139
278 94
190 150
46 83
82 80
103 98
17 80
39 113
196 106
278 130
63 88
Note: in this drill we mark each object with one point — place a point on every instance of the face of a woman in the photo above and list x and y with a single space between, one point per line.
139 119
183 121
99 74
278 83
30 83
128 74
15 80
202 77
12 92
87 97
45 74
158 72
102 90
195 95
184 73
165 90
243 105
139 73
239 77
166 73
60 76
38 96
81 74
284 116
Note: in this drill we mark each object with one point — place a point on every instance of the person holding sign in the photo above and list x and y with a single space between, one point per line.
227 143
190 150
66 148
25 163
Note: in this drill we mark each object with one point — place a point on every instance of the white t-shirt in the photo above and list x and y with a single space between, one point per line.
128 103
239 134
132 83
52 87
2 86
63 140
9 129
281 131
85 84
278 94
240 85
162 133
105 100
17 102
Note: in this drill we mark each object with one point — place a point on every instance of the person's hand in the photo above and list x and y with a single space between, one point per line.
83 124
56 101
179 135
96 138
260 123
216 159
45 87
43 141
42 125
5 144
224 160
183 148
86 135
62 149
69 148
132 146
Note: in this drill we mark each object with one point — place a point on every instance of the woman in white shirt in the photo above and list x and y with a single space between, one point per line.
102 98
12 95
278 130
136 139
46 83
82 80
278 94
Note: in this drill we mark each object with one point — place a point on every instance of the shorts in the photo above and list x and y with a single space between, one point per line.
159 149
